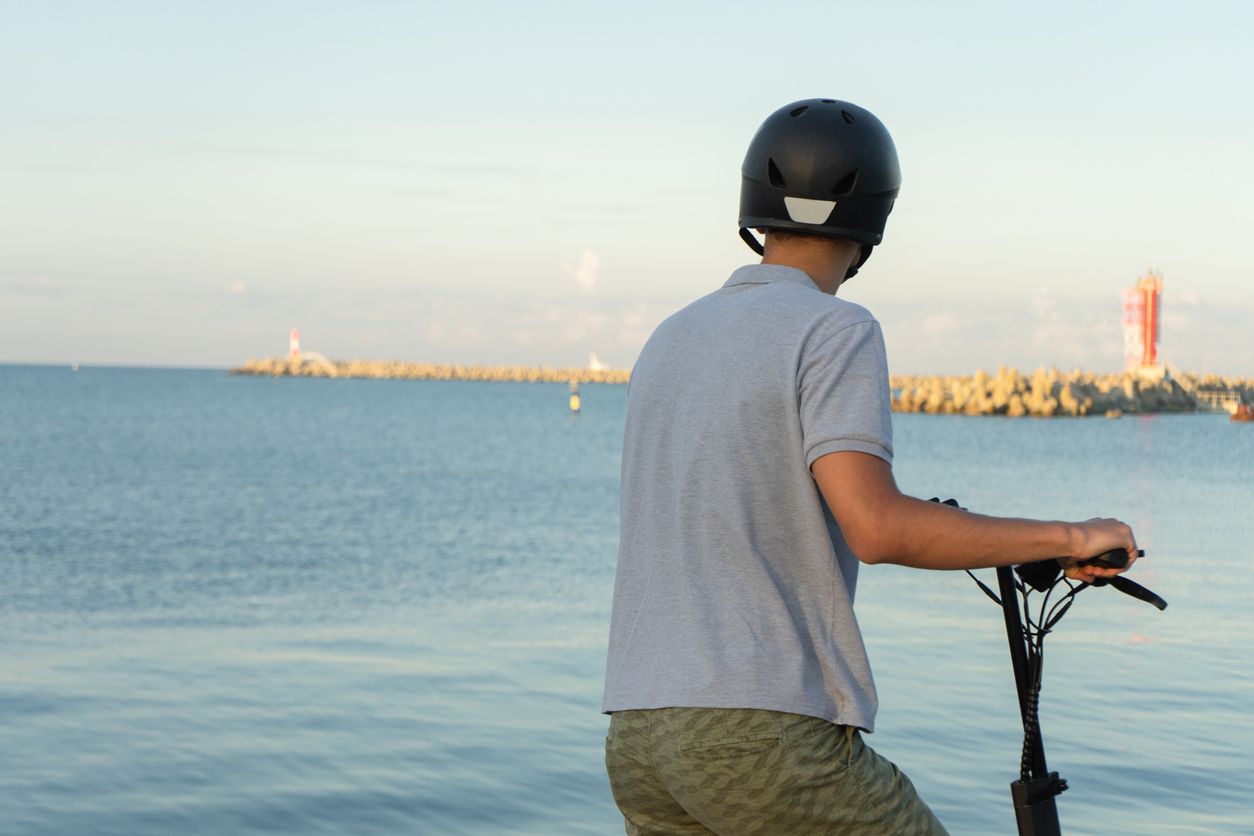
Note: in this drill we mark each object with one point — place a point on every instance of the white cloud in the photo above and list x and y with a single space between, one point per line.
636 325
586 271
1176 321
1043 304
543 316
583 325
447 333
937 326
40 286
568 331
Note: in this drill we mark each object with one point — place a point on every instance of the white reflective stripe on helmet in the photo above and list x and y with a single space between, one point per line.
804 210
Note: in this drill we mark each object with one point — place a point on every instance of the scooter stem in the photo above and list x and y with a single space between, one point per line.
1036 812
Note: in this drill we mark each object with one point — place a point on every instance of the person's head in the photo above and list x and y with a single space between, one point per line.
819 168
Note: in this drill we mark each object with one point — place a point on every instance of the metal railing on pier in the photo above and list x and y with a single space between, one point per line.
1207 398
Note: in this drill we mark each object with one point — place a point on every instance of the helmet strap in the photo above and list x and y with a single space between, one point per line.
754 243
866 253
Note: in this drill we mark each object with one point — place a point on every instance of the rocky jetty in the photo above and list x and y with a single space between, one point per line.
1043 393
318 367
1049 392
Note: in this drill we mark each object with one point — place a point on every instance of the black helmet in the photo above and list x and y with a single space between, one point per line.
822 167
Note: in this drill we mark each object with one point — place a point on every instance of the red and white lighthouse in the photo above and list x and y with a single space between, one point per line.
1142 313
293 346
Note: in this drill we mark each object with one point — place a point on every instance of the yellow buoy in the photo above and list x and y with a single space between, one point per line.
574 403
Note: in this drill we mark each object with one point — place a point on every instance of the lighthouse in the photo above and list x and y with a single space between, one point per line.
293 346
1142 313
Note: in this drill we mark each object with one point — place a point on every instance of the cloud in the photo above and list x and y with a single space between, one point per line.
306 154
448 333
47 168
1043 304
586 271
37 286
1176 321
937 326
584 325
636 325
238 288
565 332
1040 327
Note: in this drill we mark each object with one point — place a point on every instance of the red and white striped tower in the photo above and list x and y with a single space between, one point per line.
1142 313
293 345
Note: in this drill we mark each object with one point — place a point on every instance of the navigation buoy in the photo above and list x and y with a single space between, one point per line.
574 397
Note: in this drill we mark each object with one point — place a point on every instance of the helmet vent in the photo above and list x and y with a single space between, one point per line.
846 184
848 117
797 111
777 179
829 101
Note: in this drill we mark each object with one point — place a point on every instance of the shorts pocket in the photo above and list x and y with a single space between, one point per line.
735 746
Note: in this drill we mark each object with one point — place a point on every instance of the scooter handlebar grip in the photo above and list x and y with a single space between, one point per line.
1113 559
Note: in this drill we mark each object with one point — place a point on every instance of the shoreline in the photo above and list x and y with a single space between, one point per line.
1043 393
399 370
1049 393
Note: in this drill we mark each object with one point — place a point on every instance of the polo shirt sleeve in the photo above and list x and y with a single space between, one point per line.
843 394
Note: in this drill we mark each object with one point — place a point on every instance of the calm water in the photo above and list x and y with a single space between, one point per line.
236 605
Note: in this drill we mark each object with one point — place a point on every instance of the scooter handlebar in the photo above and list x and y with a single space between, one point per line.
1113 559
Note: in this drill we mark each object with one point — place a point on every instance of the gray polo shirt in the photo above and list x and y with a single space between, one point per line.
735 588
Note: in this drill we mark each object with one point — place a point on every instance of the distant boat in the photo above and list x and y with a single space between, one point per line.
73 367
1243 413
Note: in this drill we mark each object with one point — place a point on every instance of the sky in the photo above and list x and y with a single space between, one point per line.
182 183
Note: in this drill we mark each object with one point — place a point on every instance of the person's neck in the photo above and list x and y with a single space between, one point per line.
825 264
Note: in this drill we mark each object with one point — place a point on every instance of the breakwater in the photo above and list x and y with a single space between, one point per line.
1043 393
1049 392
394 369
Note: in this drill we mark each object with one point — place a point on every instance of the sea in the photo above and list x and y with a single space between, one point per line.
240 605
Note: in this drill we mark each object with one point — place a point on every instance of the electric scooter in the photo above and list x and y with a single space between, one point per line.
1035 791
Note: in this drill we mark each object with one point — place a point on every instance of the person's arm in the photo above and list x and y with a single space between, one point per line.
883 525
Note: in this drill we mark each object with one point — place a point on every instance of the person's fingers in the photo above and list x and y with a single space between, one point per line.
1088 574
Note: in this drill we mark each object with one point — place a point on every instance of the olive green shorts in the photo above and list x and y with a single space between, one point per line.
737 771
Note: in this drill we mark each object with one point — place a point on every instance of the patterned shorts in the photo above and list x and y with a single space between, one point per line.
735 771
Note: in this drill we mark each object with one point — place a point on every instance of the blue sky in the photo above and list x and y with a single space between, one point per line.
181 183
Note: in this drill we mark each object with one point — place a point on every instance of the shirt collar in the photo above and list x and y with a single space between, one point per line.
769 274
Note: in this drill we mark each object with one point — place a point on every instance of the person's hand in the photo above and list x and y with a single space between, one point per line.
1097 536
